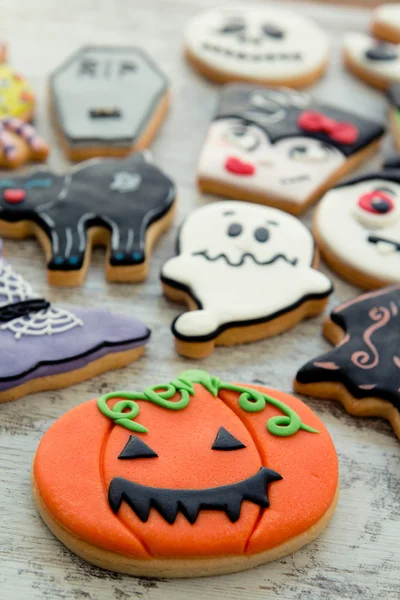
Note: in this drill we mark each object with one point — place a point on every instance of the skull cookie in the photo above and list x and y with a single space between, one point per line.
257 44
357 228
246 272
375 62
280 147
191 478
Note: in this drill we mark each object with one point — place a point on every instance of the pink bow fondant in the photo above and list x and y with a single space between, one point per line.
343 133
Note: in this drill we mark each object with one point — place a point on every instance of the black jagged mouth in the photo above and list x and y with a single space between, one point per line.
169 502
262 56
241 262
374 239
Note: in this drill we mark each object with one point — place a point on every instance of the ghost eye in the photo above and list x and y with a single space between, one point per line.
273 32
242 137
226 441
137 448
309 153
234 229
378 202
261 234
233 27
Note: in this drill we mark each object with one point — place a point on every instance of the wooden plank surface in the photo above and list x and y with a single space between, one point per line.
358 556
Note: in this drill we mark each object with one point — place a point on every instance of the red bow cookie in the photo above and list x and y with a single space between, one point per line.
343 133
19 143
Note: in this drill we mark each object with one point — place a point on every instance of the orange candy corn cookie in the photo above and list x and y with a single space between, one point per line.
195 477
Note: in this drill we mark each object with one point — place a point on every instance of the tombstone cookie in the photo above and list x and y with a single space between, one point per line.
189 478
16 95
363 371
281 147
257 44
357 228
386 23
107 101
20 143
44 347
375 62
124 204
246 272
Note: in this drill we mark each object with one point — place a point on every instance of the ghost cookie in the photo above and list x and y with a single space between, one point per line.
363 371
375 62
107 101
246 272
44 347
281 147
386 23
20 143
16 95
189 478
123 204
357 229
257 44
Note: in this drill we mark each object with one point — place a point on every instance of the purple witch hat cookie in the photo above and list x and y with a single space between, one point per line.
43 347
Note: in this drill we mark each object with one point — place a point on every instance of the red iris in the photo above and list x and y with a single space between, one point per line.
377 202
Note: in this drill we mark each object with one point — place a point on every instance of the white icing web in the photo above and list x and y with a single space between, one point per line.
45 322
13 288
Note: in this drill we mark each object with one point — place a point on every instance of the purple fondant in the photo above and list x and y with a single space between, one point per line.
102 333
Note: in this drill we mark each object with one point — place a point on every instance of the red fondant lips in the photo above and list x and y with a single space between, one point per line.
239 167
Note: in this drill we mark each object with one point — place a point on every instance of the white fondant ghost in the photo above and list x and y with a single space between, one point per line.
242 263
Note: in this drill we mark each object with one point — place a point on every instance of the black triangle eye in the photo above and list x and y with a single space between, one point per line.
136 448
226 441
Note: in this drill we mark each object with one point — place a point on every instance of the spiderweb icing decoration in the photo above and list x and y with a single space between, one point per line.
44 322
13 288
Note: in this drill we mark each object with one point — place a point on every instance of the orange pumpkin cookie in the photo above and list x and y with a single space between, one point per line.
196 477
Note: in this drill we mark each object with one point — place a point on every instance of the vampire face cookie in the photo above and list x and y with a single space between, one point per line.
246 272
280 147
363 371
191 478
124 204
386 23
107 101
20 143
44 347
375 62
257 44
16 95
357 228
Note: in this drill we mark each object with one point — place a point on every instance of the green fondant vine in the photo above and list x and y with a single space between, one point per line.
250 400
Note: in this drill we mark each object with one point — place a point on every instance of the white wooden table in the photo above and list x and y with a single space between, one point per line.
358 556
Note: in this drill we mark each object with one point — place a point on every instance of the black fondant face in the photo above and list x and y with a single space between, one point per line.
22 194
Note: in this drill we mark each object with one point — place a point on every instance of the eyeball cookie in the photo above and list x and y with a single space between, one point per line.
257 44
386 23
357 228
281 147
246 272
363 370
375 62
189 478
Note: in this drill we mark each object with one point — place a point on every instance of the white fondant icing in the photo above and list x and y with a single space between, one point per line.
281 170
13 288
388 14
346 234
357 44
230 274
299 46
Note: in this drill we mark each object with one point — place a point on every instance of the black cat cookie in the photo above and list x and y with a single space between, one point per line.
124 204
363 371
107 101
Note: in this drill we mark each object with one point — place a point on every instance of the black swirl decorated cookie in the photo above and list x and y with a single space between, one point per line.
124 204
281 147
257 44
107 101
193 477
246 272
363 371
